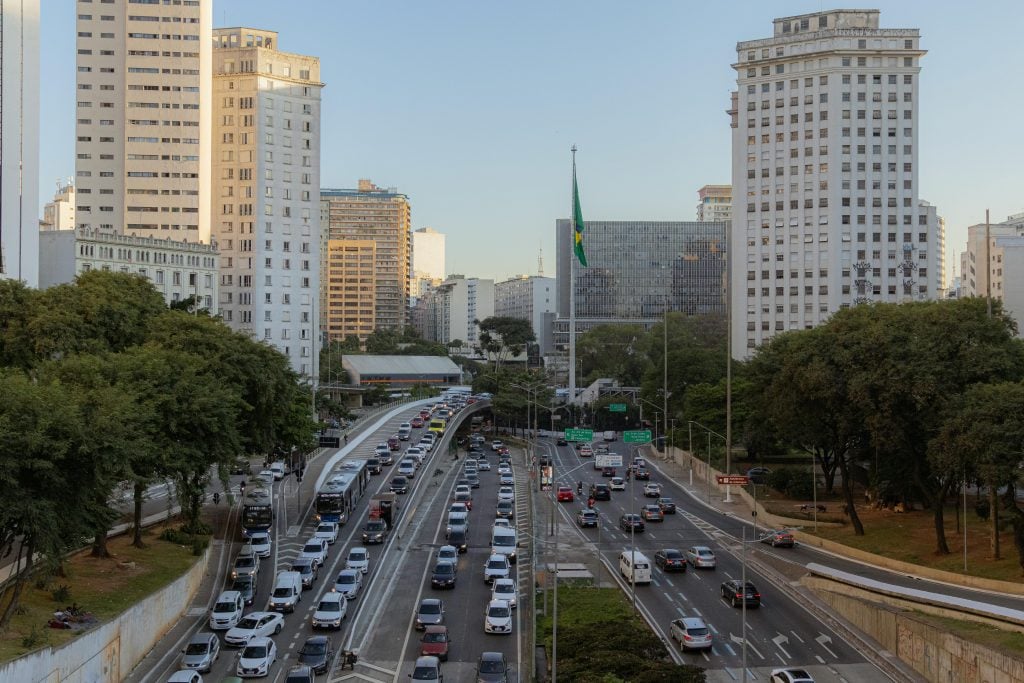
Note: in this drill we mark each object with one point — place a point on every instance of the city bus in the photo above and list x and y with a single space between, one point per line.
340 493
257 509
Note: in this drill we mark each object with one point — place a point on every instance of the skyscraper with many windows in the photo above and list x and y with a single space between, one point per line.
826 210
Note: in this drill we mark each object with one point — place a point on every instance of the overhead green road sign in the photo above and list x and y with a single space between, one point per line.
579 434
637 436
617 407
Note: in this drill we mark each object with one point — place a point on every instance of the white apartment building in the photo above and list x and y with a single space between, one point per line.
266 180
528 297
449 311
825 176
178 270
142 151
428 261
59 214
715 203
19 141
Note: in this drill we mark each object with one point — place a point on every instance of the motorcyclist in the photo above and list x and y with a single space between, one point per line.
579 487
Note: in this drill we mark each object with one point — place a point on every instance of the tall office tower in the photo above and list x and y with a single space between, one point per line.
427 261
825 175
143 118
715 203
59 214
19 141
369 214
528 297
266 180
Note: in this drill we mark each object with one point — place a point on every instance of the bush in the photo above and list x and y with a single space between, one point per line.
32 639
800 488
199 544
781 478
61 594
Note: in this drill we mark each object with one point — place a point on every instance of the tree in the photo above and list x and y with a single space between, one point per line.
18 306
502 336
616 351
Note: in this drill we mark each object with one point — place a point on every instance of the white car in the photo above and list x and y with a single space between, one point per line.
484 466
458 507
502 522
790 676
327 531
498 617
504 589
463 488
185 676
254 625
506 479
330 612
506 493
497 444
504 468
448 553
652 490
497 567
279 470
256 659
260 542
267 477
618 484
407 468
358 559
348 583
417 452
316 550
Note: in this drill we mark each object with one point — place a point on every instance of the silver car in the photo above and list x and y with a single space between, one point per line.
701 556
201 652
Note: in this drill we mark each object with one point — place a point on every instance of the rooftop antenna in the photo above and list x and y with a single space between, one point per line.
540 261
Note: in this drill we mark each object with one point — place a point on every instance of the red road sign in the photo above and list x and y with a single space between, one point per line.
733 479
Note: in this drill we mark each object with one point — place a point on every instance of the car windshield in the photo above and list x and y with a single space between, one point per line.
312 548
498 611
357 555
504 589
495 564
347 578
434 637
329 606
197 648
224 607
491 666
244 562
248 623
241 585
325 528
697 631
254 652
374 526
314 648
444 568
424 673
430 608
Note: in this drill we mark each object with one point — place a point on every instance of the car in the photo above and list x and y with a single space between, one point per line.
374 465
260 542
201 651
504 589
498 617
565 494
600 492
298 674
308 570
506 493
429 613
185 676
393 443
758 475
279 469
617 484
399 485
497 444
404 430
316 550
246 586
381 450
652 513
701 557
427 669
458 507
779 538
463 488
330 611
484 466
506 479
386 458
246 564
466 499
348 583
667 505
448 553
457 538
492 668
241 466
670 560
317 652
737 593
426 444
642 474
407 468
652 490
417 453
444 574
328 531
501 522
476 450
267 477
586 451
227 611
631 522
587 518
790 676
375 531
506 510
254 625
416 422
560 441
425 414
691 633
435 642
608 472
359 559
256 658
473 479
457 520
637 463
496 567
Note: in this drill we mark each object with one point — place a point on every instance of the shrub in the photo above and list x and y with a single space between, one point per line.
780 479
61 593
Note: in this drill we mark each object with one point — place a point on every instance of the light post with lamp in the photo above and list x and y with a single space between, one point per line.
710 432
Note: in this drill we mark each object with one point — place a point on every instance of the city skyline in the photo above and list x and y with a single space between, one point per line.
469 146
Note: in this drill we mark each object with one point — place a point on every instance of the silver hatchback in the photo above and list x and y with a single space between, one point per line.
201 652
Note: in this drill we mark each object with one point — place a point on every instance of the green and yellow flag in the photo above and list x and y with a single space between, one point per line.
577 215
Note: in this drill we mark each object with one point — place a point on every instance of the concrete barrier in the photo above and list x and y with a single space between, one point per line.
109 651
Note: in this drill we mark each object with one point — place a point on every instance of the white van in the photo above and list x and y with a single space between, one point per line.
287 592
503 542
404 431
609 436
635 567
227 611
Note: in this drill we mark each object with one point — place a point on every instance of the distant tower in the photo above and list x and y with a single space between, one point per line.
540 262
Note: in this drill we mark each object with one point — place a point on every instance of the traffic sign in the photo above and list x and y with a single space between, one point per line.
579 434
733 479
637 436
617 407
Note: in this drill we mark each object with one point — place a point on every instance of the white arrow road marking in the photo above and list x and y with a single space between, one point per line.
779 641
822 640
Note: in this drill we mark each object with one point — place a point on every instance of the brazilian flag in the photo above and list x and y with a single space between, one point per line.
577 214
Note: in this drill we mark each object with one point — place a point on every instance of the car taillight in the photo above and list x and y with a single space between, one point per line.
687 637
739 595
757 595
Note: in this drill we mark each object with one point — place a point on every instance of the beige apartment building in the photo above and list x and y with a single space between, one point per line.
143 136
383 217
266 179
715 203
59 214
349 277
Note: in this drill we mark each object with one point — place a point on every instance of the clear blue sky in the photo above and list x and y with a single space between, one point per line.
470 107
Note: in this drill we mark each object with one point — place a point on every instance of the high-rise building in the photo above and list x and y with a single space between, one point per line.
528 297
825 174
369 214
715 203
638 270
266 172
143 118
19 141
450 311
59 214
349 276
427 261
976 277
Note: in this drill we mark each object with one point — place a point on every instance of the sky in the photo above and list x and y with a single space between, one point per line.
470 108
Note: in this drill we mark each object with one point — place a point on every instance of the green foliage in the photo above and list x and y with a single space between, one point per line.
616 351
33 639
61 594
501 337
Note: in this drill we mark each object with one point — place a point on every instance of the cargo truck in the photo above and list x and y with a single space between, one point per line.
602 460
382 506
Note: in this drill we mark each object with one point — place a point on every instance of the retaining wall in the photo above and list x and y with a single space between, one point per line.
111 650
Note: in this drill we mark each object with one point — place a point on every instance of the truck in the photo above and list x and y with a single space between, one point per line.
382 506
602 460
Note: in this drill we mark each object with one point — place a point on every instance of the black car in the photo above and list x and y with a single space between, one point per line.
457 538
247 587
630 521
444 575
600 492
317 653
642 474
475 448
375 531
399 485
670 560
492 668
736 593
667 505
374 466
607 471
241 466
561 442
758 475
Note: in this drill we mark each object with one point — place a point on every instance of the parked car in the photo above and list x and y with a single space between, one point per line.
701 556
667 505
435 642
631 522
779 538
670 560
691 633
737 593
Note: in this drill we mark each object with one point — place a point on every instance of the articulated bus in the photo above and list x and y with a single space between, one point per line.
257 509
342 490
437 424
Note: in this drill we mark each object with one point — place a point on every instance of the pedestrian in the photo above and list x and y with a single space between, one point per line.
346 439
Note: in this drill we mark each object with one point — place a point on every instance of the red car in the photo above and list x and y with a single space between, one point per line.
416 422
434 642
503 450
565 495
425 414
393 443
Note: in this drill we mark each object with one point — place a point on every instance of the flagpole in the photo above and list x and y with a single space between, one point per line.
572 285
